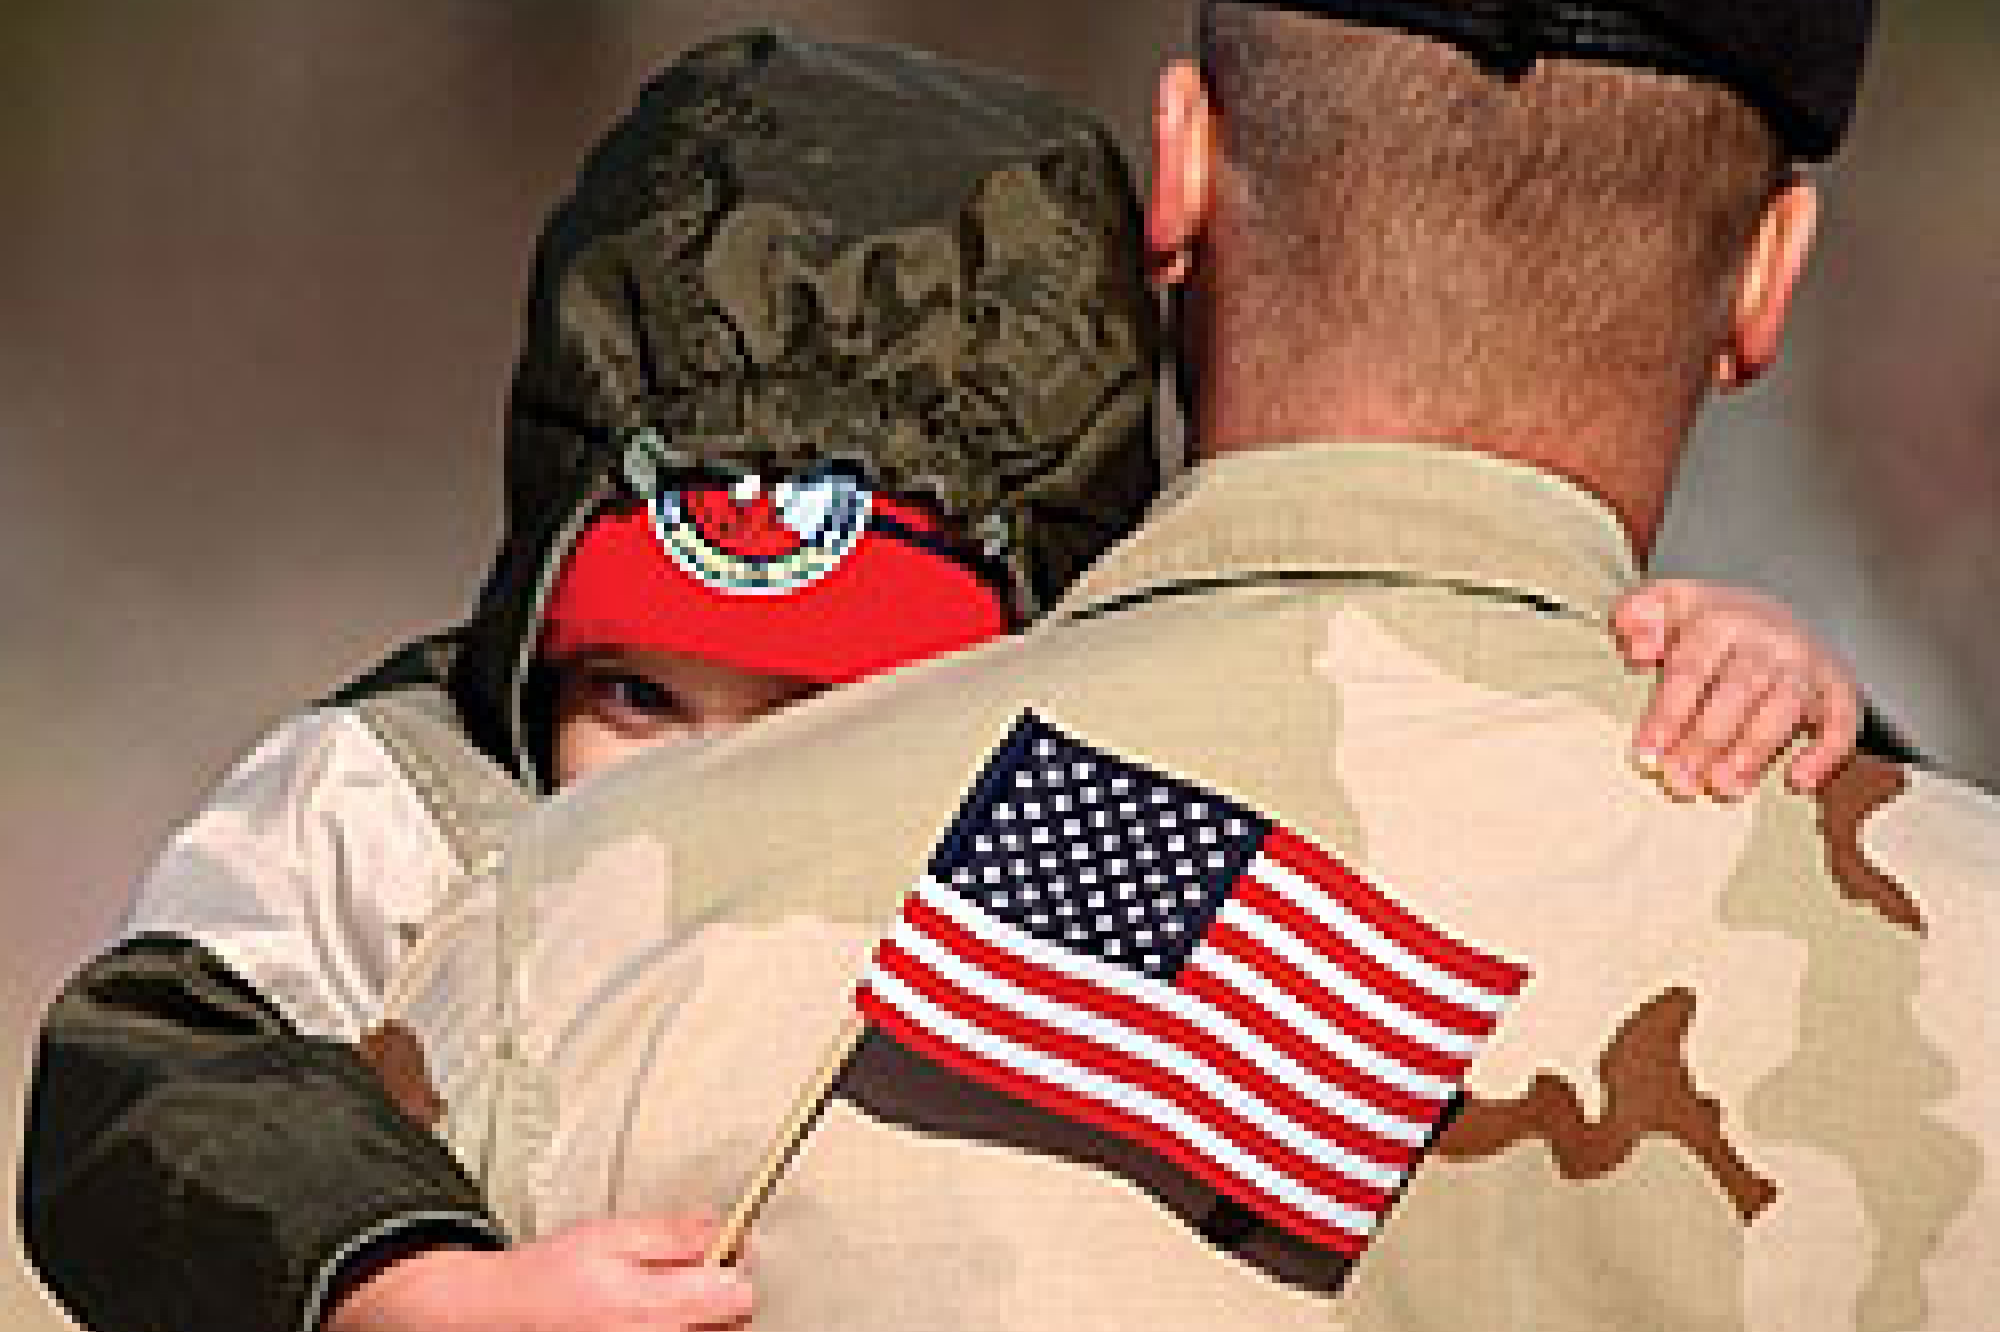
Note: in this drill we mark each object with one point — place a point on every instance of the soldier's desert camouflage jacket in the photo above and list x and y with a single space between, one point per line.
789 252
1752 1084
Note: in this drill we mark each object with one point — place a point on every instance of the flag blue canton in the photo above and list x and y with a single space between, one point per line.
1095 854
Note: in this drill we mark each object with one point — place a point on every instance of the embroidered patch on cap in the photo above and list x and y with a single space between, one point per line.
758 539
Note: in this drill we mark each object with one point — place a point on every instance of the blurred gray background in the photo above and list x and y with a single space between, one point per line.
259 268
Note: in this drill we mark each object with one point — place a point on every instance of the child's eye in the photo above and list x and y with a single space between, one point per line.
634 702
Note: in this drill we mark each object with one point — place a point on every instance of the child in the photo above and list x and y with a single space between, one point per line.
789 412
648 644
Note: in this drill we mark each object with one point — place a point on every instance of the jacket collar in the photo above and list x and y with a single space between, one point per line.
1404 513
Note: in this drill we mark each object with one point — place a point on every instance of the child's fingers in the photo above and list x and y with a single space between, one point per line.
1642 623
1738 688
1695 664
667 1241
691 1297
1781 713
1640 630
1838 709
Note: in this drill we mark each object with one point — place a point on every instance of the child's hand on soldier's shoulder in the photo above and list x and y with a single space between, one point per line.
625 1275
1740 680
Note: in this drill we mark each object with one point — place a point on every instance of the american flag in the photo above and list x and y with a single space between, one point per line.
1126 949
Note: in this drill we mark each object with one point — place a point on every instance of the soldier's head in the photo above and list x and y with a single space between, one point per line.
1518 226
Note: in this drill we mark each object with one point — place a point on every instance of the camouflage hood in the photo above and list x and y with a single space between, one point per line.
793 252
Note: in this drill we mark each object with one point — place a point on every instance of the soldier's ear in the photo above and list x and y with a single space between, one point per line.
1764 289
1184 148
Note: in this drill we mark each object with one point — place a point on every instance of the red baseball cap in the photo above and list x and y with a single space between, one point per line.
815 577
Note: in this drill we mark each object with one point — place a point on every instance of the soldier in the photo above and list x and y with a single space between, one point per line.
1472 1026
745 287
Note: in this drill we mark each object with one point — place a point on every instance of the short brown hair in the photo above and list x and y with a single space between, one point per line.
1577 227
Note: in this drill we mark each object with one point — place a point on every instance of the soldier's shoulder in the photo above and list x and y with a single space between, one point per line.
1920 822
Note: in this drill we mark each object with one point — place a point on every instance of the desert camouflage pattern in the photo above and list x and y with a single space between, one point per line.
1754 1083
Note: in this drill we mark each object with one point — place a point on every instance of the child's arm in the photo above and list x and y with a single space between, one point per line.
193 1160
205 1143
601 1276
1740 680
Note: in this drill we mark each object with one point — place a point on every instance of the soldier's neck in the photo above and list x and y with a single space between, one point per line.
1625 460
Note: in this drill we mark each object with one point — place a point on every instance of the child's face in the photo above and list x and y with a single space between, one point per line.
610 705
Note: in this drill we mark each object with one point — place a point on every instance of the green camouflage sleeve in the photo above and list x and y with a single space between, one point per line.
193 1162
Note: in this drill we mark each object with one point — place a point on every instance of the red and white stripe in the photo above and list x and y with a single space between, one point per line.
1298 1063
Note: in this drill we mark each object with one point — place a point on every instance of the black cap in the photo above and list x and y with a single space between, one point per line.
1797 61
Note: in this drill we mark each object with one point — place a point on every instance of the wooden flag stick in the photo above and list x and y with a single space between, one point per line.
728 1246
